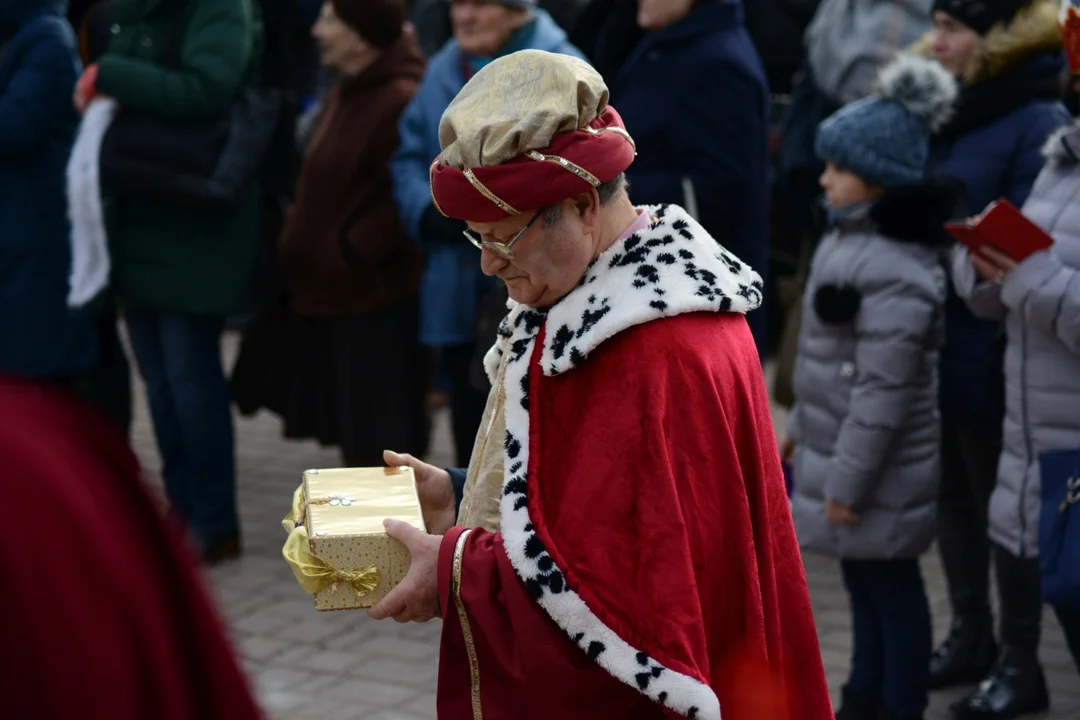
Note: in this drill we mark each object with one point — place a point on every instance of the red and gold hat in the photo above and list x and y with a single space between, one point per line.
1070 33
529 130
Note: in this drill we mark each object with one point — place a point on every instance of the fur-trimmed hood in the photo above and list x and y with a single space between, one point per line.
1062 147
1033 31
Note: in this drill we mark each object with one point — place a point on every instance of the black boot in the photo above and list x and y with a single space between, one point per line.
858 706
966 656
1016 687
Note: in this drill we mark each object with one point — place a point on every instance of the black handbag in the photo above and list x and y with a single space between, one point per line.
203 164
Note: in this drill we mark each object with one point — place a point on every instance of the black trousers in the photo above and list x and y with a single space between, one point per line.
1021 607
1019 581
466 401
107 385
1070 623
969 460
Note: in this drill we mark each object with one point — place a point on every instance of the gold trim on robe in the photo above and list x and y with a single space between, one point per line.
466 629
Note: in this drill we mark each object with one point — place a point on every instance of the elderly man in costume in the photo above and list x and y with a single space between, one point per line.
453 291
624 547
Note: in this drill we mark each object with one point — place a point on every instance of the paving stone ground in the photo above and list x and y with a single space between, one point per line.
343 666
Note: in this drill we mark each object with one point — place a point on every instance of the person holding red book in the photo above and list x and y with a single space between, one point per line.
1006 55
1038 298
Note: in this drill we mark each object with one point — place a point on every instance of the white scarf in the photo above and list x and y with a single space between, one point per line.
89 244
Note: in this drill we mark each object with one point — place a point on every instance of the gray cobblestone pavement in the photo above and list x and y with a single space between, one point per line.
343 666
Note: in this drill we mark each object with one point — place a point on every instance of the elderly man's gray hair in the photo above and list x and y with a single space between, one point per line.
606 191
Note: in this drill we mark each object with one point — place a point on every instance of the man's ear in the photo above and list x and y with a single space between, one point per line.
587 207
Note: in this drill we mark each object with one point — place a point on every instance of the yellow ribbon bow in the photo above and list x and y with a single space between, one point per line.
314 573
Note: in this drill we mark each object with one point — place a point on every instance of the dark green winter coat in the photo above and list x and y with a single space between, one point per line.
167 257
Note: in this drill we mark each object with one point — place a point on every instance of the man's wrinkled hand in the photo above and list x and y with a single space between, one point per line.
434 488
416 598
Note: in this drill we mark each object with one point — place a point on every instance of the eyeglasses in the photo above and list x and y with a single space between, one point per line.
502 249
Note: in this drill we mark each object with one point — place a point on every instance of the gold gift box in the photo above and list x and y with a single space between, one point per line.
338 548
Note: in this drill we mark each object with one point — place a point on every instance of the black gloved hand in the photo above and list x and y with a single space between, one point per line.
436 227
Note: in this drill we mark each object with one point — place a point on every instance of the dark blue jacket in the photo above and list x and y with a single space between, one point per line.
39 335
994 148
695 100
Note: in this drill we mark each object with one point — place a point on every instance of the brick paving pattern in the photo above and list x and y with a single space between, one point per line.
343 666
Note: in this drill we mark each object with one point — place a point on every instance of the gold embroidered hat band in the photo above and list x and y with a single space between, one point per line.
529 130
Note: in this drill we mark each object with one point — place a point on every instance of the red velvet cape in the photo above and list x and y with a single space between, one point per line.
102 612
659 574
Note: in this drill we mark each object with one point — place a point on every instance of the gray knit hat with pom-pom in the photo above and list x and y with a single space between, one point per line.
885 138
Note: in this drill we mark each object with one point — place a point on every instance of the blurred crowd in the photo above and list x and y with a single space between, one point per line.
311 230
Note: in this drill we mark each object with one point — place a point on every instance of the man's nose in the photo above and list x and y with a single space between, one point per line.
491 263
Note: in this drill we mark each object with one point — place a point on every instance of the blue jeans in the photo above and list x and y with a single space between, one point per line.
892 633
179 357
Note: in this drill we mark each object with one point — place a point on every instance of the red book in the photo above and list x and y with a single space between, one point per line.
1004 227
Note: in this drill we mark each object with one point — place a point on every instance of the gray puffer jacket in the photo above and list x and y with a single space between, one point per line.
1040 303
865 421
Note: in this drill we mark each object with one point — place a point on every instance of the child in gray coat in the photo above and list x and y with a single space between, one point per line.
864 428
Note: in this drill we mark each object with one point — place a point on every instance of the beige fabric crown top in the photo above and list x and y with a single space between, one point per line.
519 103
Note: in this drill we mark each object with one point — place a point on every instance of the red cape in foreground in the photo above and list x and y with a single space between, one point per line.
102 612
